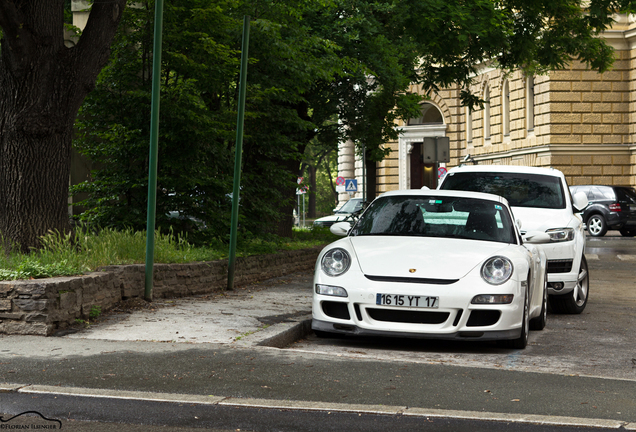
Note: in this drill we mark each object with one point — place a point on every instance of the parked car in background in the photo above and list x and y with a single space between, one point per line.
351 206
541 201
610 208
432 264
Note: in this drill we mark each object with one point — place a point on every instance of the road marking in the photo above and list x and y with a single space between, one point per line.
591 257
626 257
319 406
122 394
518 418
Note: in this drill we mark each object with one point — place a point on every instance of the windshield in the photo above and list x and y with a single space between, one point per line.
521 190
351 206
431 216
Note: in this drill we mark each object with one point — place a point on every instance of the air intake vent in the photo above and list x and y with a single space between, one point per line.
559 266
411 280
407 316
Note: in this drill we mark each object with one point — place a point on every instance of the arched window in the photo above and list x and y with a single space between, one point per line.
530 103
430 115
486 119
505 96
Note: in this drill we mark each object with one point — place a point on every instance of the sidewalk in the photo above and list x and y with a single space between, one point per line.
257 314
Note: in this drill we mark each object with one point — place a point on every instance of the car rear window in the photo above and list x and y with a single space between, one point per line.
521 190
625 194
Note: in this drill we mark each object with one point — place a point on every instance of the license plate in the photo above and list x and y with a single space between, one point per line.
632 207
406 300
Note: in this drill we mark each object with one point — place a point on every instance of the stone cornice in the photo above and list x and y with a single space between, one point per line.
556 149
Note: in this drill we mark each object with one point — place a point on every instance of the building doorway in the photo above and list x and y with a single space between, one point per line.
422 174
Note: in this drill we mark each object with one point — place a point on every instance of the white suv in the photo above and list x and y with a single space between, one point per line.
540 200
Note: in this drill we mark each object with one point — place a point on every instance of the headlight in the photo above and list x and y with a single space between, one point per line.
561 234
331 290
497 270
336 262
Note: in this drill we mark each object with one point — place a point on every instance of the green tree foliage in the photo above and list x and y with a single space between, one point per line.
310 61
197 107
198 116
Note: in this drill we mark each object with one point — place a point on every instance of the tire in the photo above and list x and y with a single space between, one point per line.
522 341
596 225
574 302
323 334
628 232
538 323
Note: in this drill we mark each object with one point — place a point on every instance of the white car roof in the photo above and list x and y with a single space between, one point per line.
445 193
508 169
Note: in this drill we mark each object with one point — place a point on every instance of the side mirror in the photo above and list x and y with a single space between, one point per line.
518 223
580 201
536 237
340 228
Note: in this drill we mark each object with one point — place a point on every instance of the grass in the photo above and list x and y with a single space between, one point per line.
84 251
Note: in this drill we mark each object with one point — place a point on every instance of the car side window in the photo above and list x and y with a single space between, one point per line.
608 193
595 194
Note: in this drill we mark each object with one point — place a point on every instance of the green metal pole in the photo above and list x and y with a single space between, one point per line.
238 153
154 150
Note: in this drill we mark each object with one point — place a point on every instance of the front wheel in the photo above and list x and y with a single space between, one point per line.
596 225
522 341
538 323
574 302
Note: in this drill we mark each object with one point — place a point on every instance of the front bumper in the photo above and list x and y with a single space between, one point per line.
455 318
354 330
563 263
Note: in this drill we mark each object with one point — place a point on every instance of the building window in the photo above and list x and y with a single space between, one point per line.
486 120
430 115
530 102
505 95
469 124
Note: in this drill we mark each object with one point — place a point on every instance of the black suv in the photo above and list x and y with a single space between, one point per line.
611 207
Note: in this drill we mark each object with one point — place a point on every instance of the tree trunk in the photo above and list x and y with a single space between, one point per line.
311 210
285 227
34 180
371 168
42 85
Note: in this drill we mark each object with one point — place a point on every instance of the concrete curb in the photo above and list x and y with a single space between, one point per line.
317 406
278 335
290 335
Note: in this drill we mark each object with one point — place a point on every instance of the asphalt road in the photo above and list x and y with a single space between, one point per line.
578 371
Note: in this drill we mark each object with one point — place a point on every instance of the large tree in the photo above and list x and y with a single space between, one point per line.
311 60
441 43
42 85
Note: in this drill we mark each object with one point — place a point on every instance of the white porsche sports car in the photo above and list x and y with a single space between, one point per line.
433 264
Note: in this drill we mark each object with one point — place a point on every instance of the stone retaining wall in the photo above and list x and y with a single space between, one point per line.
42 306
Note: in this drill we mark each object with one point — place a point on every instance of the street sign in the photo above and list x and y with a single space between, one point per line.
351 185
340 180
302 190
436 150
441 172
340 188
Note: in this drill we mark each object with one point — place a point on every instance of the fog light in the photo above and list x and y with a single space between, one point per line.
557 286
331 290
493 299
